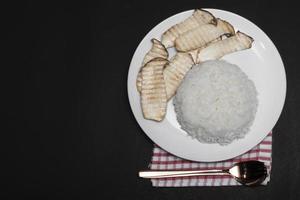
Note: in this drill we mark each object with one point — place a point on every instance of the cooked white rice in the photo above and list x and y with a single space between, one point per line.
216 102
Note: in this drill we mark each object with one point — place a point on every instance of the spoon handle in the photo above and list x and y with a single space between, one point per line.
170 174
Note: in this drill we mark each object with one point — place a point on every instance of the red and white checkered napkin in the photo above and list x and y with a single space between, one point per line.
162 160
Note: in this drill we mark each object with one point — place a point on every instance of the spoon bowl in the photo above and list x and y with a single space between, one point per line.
249 173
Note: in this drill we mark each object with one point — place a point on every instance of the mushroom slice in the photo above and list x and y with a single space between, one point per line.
175 71
216 50
157 51
194 53
153 90
202 35
199 17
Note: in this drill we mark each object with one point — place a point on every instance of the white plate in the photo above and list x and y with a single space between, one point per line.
262 63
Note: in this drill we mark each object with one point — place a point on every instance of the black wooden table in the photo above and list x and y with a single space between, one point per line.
70 131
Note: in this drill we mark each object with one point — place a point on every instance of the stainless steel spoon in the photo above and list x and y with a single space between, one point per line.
247 173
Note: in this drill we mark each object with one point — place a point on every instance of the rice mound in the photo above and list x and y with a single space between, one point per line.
216 102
